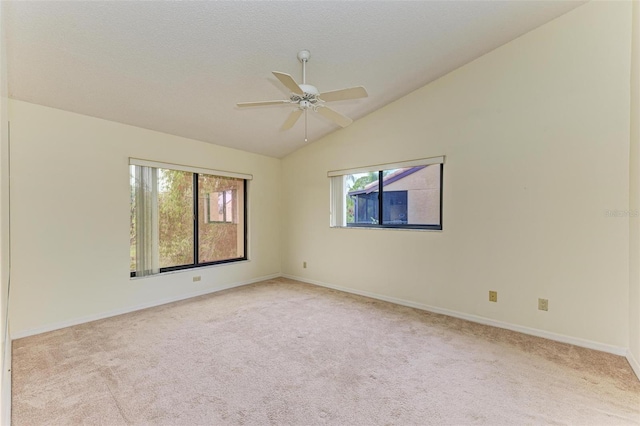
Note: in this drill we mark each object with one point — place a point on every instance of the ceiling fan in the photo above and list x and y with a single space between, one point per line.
307 97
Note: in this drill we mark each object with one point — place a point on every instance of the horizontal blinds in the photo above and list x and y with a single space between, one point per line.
387 166
183 168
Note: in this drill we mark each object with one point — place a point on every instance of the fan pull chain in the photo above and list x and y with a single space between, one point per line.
306 110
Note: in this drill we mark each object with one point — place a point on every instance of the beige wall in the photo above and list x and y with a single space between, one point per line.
634 200
536 136
70 216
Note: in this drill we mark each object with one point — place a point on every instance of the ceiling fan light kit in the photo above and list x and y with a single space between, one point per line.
307 97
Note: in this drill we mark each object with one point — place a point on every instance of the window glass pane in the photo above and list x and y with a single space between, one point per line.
411 196
221 218
175 217
362 198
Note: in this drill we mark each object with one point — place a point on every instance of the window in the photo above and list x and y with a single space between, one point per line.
219 206
184 217
400 195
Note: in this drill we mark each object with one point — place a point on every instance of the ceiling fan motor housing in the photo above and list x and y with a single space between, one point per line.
307 88
309 99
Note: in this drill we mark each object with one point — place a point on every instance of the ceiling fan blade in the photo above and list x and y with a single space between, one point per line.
262 103
344 94
289 82
293 117
341 120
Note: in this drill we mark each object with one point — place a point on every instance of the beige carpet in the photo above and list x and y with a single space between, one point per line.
283 352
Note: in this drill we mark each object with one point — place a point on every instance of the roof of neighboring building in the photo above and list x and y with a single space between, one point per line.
390 178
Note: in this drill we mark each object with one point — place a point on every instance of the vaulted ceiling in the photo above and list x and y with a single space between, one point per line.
180 67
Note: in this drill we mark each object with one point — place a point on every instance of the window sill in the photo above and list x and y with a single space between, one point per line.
190 270
382 228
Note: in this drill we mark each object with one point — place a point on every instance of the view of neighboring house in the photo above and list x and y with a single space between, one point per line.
410 196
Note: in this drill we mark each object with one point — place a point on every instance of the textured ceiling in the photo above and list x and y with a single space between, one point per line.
180 67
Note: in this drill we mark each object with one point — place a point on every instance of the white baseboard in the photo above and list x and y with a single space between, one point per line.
616 350
5 386
82 320
635 365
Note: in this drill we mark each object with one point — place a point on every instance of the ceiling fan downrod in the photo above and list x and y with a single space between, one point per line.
303 56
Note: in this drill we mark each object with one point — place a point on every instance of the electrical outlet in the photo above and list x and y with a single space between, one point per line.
197 278
543 304
493 296
304 265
